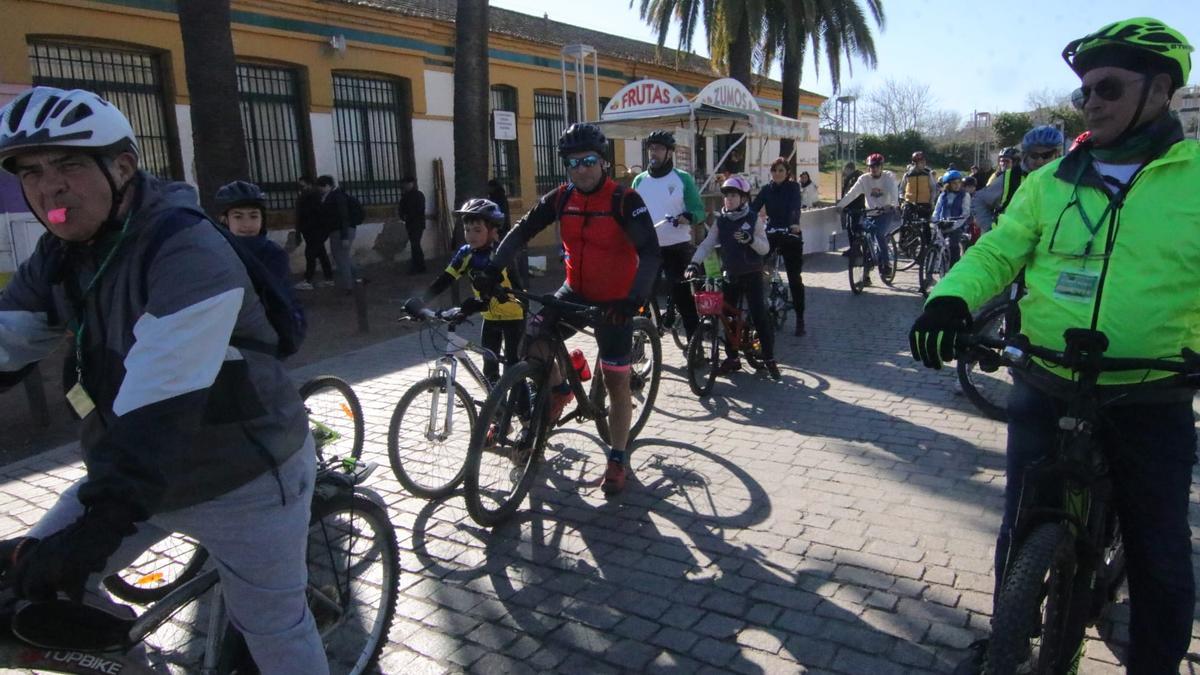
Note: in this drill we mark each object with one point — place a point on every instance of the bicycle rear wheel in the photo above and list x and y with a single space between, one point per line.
428 457
887 273
645 373
353 575
703 357
778 306
162 568
988 391
506 444
335 417
1037 622
934 265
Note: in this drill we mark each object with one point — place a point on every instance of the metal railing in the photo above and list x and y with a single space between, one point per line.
276 137
372 136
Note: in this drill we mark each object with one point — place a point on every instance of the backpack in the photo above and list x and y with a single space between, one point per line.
354 210
283 311
618 200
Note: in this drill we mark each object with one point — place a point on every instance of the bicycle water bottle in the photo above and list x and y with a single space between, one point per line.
579 362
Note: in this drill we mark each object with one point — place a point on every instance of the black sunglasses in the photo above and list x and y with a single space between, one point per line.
1048 154
586 162
1108 89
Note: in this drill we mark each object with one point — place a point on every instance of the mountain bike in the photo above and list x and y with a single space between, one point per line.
431 424
779 296
510 433
865 253
336 421
909 239
665 320
936 256
986 385
1067 559
722 326
353 573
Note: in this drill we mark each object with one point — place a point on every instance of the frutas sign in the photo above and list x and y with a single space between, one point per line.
728 93
644 95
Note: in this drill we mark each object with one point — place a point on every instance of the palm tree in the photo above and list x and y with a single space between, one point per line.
733 28
840 26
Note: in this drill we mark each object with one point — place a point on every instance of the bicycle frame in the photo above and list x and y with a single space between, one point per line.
446 367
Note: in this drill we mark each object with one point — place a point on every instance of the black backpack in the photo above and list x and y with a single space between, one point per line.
279 304
354 210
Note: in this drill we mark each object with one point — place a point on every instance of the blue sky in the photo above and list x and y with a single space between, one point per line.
983 55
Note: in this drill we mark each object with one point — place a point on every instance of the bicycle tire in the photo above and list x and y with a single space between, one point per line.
679 333
334 417
353 579
1039 586
856 264
645 374
908 246
162 568
703 357
430 464
777 308
506 444
987 391
891 255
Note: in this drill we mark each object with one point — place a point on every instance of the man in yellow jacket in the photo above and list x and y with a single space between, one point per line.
1109 237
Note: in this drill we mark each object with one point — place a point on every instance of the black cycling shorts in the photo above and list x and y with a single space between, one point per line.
615 342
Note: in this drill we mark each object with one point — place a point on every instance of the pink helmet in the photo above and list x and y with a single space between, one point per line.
736 183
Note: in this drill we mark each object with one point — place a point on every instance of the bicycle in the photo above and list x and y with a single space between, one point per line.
985 386
1067 559
666 320
431 425
910 238
864 253
736 333
937 254
353 571
335 419
779 296
509 437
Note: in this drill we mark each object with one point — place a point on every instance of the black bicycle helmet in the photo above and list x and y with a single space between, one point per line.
661 137
240 193
582 137
481 208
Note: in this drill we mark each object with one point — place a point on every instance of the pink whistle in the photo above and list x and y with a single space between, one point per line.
57 216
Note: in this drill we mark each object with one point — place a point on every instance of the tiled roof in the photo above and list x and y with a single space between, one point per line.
544 30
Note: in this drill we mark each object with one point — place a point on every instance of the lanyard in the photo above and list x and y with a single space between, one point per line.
82 310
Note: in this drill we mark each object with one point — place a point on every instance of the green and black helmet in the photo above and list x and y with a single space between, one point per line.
1141 44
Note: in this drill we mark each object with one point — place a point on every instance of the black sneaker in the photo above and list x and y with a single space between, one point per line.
800 332
773 369
975 661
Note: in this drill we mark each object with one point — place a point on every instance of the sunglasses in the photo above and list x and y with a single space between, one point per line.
1049 154
586 162
1108 89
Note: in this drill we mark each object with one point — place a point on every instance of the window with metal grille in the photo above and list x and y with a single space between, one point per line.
548 124
506 161
129 79
373 136
269 98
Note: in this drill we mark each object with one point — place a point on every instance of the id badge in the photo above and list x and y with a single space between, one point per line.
80 402
1077 286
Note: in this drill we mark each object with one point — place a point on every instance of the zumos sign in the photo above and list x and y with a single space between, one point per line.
645 95
727 93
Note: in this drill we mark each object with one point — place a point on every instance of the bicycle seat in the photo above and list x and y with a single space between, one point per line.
62 624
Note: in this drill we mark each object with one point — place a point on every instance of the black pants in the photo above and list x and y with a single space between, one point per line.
752 285
414 241
492 335
790 247
314 251
675 259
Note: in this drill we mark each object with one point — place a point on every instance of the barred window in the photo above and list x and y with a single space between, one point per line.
549 121
269 99
506 160
372 136
131 80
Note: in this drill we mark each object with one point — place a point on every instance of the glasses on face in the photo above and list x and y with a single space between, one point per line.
1108 89
585 162
1048 154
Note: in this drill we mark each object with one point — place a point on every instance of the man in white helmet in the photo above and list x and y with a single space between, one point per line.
187 425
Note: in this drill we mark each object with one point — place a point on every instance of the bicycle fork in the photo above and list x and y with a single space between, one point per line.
447 373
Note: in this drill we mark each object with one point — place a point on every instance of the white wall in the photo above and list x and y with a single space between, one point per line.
187 148
324 148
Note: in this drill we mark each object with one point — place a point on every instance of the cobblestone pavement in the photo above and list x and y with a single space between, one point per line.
839 521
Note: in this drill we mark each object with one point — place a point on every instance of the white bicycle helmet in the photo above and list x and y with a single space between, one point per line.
46 117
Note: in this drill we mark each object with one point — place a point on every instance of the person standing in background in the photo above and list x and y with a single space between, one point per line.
412 212
808 191
309 229
338 226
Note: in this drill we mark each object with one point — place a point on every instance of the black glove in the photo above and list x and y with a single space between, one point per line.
63 561
472 306
693 271
486 281
620 312
413 306
933 335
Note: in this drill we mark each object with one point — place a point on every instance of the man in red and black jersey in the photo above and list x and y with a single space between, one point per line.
612 260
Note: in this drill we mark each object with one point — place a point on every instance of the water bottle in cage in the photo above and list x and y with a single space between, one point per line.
579 362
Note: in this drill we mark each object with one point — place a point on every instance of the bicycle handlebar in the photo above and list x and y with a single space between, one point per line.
589 312
1018 352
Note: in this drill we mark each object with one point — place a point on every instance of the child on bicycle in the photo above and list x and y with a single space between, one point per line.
953 203
743 242
503 321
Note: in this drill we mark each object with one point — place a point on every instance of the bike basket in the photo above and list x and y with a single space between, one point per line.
709 303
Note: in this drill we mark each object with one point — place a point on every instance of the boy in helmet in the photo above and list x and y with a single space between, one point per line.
881 193
503 321
242 206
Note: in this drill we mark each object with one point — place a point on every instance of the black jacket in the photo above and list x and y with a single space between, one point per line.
412 209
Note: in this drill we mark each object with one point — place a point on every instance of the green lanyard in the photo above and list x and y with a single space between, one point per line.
87 292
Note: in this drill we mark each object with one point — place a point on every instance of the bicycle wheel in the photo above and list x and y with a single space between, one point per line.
856 265
934 266
353 575
751 346
645 373
778 306
506 444
335 417
427 455
908 246
891 254
988 391
1036 620
703 357
162 568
